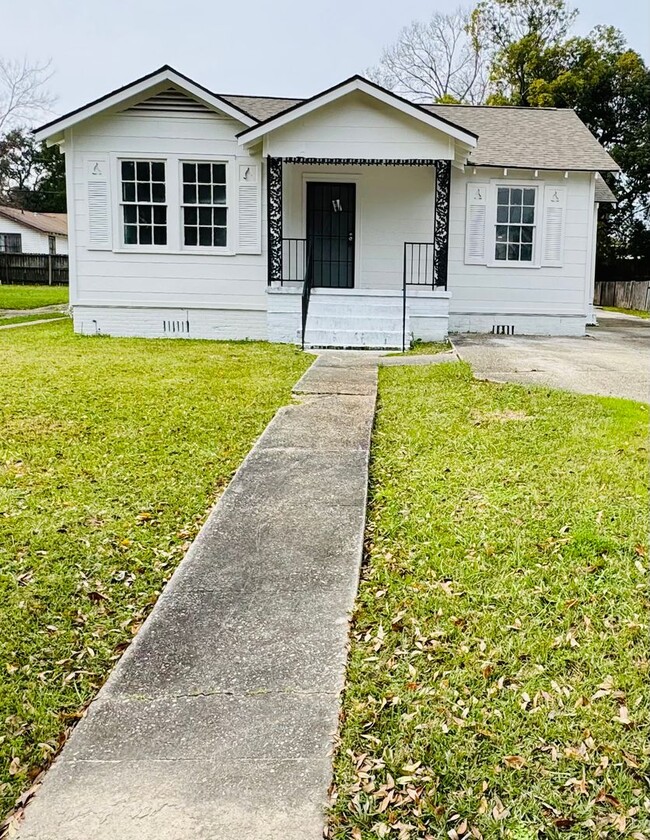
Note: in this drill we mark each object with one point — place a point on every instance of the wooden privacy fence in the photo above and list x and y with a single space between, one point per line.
623 283
34 269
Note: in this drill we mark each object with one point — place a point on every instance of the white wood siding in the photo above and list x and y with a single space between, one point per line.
160 277
484 289
33 241
394 205
359 127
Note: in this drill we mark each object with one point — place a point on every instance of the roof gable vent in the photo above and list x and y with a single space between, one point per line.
171 102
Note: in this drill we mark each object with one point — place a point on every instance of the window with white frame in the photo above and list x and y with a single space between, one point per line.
204 204
144 202
515 224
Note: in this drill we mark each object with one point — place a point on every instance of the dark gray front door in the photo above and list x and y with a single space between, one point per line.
330 232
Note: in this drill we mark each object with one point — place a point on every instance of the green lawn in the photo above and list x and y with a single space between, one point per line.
111 452
26 319
425 348
29 297
498 677
638 313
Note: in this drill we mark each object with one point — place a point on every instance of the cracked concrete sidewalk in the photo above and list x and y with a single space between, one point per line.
220 719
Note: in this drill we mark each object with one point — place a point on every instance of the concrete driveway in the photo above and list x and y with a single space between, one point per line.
613 360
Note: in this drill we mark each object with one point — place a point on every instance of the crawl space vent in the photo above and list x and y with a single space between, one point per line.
503 329
176 327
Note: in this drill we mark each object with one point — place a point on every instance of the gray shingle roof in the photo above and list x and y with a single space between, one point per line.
529 138
603 193
526 138
44 222
261 107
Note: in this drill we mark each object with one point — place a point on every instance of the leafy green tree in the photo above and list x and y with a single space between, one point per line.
32 176
524 40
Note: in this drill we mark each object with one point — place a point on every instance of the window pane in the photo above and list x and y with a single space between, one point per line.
526 234
205 194
191 216
143 170
513 252
220 215
513 234
220 237
529 197
528 215
128 170
160 235
157 171
128 192
144 192
130 215
515 214
205 216
219 195
191 236
219 173
160 215
516 195
502 233
205 236
204 174
500 251
130 235
146 235
158 193
502 195
526 253
144 215
189 194
189 172
502 214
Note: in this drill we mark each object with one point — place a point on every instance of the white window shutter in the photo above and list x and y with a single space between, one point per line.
99 204
475 223
553 225
249 207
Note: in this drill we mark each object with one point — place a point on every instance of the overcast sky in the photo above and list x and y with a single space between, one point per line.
272 47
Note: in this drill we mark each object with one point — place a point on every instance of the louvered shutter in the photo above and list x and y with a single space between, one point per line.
475 223
99 205
553 225
249 209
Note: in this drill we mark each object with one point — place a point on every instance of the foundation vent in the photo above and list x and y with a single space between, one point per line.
503 329
176 327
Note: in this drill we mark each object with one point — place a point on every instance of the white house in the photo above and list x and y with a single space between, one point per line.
354 218
24 232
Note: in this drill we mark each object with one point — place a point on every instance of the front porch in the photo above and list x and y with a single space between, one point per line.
357 251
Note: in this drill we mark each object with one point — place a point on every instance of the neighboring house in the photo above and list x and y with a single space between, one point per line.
24 232
195 214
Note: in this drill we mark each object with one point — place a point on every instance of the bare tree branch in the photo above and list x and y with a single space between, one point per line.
435 60
24 96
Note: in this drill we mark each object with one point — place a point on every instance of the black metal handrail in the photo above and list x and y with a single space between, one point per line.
307 286
419 262
294 260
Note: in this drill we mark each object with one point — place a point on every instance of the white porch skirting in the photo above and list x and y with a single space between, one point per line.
370 318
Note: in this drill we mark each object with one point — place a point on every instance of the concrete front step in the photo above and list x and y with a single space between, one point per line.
361 322
353 338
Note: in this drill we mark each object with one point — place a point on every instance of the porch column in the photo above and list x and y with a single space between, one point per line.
441 224
274 218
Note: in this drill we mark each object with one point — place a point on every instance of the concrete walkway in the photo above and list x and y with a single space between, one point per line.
39 310
219 721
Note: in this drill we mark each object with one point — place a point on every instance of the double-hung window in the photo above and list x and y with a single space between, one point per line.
144 202
205 210
515 224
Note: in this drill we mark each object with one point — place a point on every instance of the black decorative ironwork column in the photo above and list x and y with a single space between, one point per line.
441 224
274 217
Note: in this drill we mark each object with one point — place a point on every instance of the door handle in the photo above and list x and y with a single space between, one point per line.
350 237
